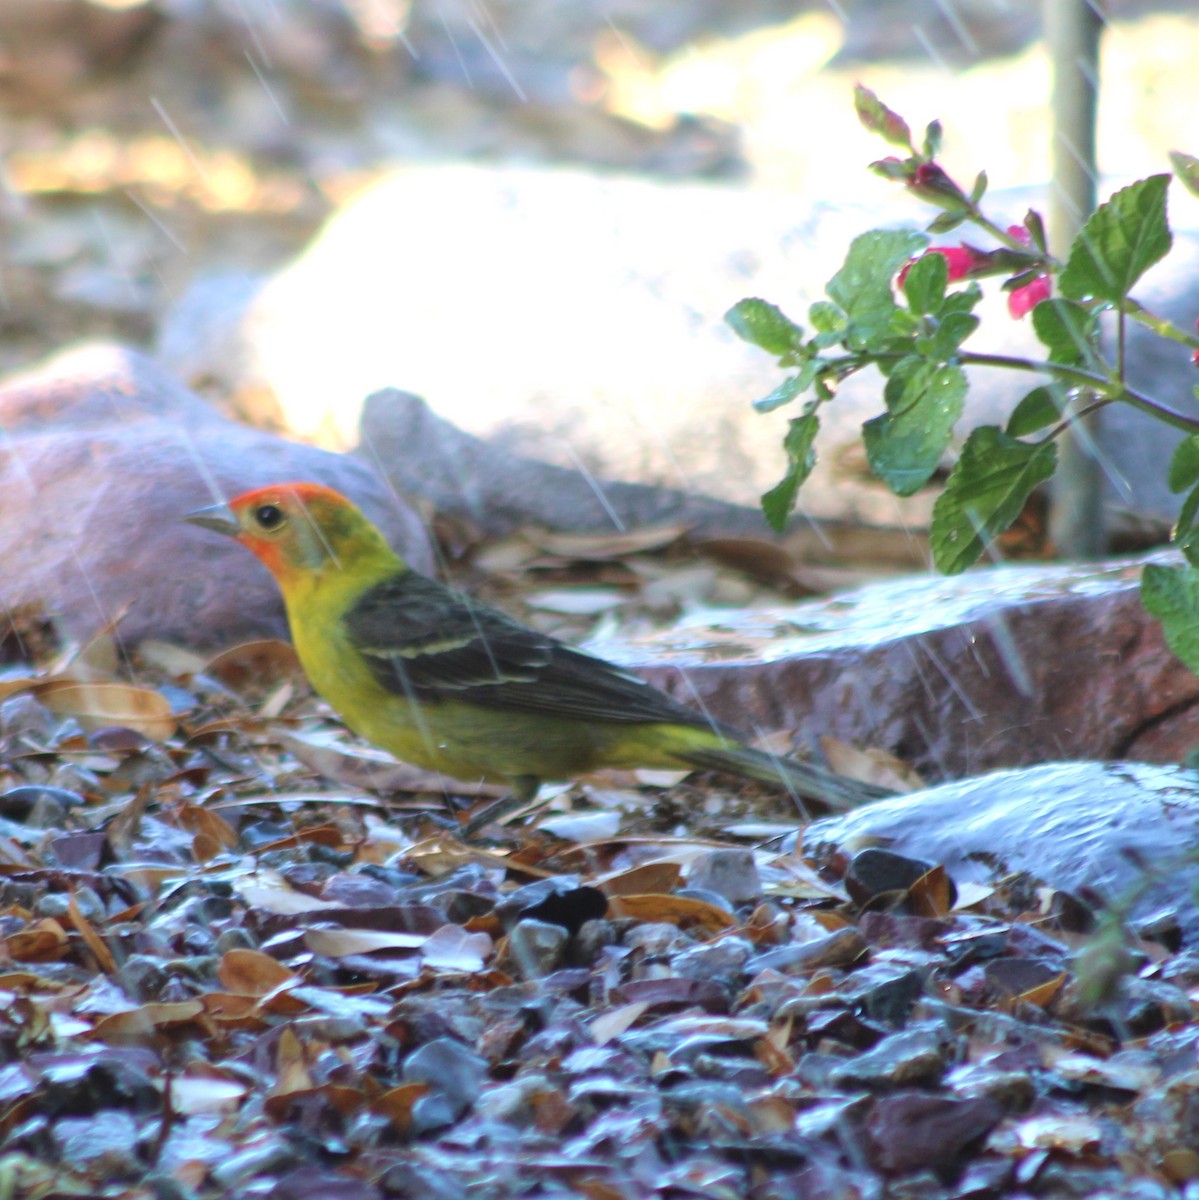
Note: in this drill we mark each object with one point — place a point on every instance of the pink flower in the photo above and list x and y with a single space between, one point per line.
1023 300
959 261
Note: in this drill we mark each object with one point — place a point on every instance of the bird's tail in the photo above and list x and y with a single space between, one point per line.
806 780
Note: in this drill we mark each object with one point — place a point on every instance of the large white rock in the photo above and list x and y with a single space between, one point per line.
578 319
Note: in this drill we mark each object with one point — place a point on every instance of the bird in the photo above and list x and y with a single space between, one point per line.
449 684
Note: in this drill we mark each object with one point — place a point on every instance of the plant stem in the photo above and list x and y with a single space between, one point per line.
1109 389
1159 325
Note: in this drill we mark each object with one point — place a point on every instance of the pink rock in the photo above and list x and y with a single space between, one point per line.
1000 667
103 455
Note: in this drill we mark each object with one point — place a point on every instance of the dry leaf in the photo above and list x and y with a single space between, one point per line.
930 895
169 658
289 1062
43 941
654 877
676 910
596 547
199 820
615 1021
255 667
193 1094
373 770
1043 994
872 765
101 705
268 891
396 1104
94 942
577 602
138 1023
247 972
341 943
452 948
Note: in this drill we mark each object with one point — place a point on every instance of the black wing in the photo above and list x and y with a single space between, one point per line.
429 643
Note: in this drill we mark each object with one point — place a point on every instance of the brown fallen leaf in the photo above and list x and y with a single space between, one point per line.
292 1074
396 1104
256 667
138 1023
654 877
675 910
101 705
43 941
94 942
247 972
872 765
200 820
932 894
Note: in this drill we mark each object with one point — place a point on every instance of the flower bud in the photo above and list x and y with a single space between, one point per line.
931 183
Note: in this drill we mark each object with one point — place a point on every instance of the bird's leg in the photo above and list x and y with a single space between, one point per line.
524 791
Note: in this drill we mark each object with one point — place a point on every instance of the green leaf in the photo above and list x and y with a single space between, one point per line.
792 386
962 301
894 169
1171 594
1065 329
951 331
984 494
801 455
764 325
946 221
863 285
878 118
924 284
1185 534
1184 466
1120 241
1042 406
828 321
1186 169
1036 230
932 139
905 444
979 190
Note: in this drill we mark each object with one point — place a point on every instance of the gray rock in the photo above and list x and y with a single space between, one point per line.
911 1057
104 454
841 948
1120 830
453 1071
499 490
731 873
537 947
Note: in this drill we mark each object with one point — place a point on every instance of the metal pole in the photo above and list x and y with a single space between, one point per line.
1072 29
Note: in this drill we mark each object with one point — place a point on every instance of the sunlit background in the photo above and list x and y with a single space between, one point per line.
145 138
146 142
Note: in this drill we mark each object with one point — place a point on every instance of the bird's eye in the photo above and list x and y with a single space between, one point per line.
269 516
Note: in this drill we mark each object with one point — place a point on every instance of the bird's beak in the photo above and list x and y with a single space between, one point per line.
218 517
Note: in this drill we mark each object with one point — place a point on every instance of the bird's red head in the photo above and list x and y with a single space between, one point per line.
295 528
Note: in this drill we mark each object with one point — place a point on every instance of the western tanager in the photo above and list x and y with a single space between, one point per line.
451 685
